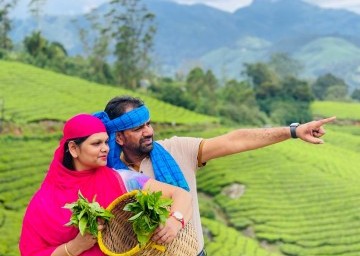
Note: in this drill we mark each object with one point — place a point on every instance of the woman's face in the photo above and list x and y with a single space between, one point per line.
92 153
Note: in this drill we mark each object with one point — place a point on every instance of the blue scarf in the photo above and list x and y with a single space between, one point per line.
165 167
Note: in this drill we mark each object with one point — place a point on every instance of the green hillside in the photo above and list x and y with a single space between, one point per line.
331 55
342 110
229 61
300 197
32 94
329 51
292 198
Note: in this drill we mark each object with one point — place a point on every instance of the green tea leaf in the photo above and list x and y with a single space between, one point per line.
134 217
85 215
149 211
82 225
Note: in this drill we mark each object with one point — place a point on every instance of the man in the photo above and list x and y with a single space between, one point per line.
176 160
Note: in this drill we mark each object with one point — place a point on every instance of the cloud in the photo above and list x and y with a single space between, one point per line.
233 5
350 5
226 5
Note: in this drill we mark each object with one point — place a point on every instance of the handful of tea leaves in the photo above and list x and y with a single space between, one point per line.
150 210
85 215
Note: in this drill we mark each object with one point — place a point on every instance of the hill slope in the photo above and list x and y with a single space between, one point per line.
297 197
32 94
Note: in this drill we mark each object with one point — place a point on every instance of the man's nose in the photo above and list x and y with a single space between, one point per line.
148 130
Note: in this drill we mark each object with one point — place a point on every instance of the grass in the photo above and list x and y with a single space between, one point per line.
342 110
298 197
29 94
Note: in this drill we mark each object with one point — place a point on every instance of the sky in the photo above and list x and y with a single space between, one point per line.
76 6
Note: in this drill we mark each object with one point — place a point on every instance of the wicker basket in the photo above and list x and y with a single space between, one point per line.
119 239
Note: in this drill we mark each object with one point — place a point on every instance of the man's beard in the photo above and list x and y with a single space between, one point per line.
145 148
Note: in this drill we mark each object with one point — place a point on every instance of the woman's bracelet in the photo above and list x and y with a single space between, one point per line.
67 251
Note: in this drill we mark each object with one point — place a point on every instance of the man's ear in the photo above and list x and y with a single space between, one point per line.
73 149
120 138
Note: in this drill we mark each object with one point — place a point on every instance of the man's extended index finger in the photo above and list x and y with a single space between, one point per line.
327 120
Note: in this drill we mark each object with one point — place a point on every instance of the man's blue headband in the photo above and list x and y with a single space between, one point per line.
165 167
134 118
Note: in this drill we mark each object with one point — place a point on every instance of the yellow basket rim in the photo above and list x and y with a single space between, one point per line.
110 207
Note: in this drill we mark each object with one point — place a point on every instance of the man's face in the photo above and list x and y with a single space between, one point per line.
138 140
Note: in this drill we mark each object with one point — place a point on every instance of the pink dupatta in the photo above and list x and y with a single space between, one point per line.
44 222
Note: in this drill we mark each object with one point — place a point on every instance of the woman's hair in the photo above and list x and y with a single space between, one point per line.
118 105
68 159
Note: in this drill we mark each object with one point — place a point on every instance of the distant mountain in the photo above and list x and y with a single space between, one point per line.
190 35
335 55
281 19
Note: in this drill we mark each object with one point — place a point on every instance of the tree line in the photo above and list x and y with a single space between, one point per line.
272 93
117 51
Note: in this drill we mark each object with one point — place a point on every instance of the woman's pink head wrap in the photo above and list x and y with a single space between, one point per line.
82 125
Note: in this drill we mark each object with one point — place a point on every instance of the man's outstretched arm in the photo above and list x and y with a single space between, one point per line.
248 139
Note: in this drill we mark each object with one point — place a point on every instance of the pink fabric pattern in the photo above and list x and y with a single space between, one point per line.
44 222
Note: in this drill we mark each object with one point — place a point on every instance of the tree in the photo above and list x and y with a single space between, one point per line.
282 98
284 65
35 44
202 88
35 8
296 89
336 93
173 93
238 104
286 112
259 74
194 82
5 24
95 42
133 31
238 93
266 84
356 94
44 53
322 84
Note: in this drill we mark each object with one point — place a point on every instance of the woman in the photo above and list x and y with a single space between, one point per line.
80 164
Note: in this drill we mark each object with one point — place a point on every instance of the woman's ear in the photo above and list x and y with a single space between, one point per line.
73 149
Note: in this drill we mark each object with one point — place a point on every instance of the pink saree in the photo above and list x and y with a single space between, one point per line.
44 222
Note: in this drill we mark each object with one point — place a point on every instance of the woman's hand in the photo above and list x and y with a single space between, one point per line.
166 233
81 243
84 242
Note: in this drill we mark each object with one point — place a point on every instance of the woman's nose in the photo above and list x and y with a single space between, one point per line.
105 148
